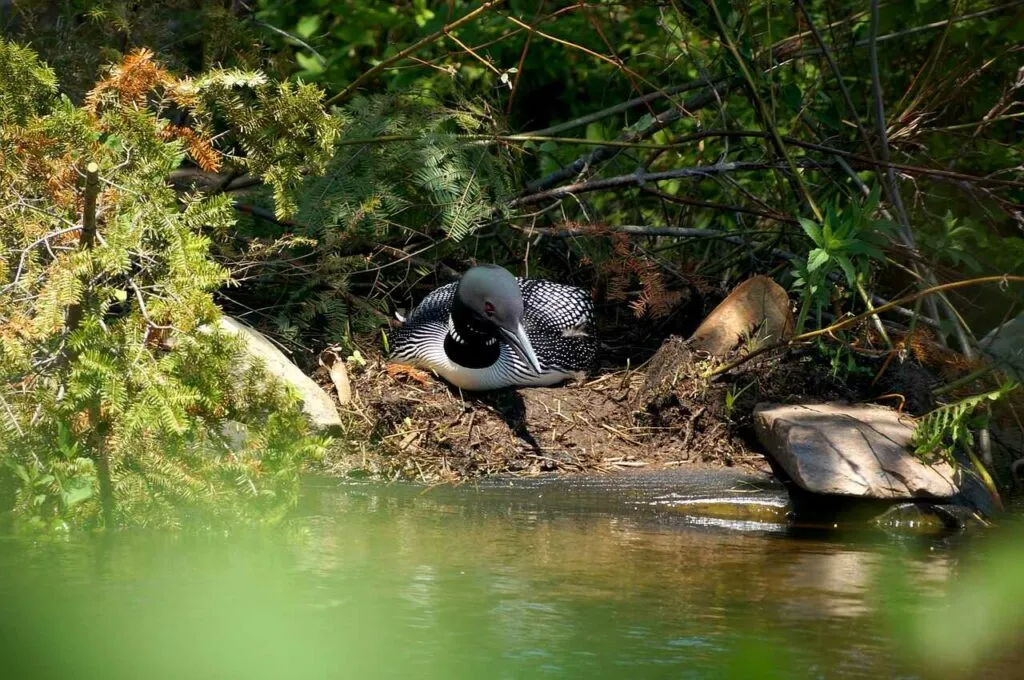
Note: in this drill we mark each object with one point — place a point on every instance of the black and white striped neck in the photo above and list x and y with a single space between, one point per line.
470 341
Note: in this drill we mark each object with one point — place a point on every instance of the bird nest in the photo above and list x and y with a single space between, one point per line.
408 424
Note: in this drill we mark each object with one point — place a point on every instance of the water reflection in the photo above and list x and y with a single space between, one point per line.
383 582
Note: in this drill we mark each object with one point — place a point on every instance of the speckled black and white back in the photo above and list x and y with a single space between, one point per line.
559 321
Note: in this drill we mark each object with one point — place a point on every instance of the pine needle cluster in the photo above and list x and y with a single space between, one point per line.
118 405
403 170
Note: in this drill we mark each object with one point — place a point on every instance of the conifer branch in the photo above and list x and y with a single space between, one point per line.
94 439
145 312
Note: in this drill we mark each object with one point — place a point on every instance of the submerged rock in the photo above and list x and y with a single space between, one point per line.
757 309
737 510
316 403
849 450
926 518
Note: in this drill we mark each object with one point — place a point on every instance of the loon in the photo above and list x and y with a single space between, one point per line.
490 330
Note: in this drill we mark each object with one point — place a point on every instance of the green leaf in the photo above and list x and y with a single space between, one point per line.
310 64
308 25
643 123
595 132
816 259
848 269
826 232
812 230
20 470
78 490
871 204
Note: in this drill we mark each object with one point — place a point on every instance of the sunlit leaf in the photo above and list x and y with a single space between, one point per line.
847 267
308 25
816 259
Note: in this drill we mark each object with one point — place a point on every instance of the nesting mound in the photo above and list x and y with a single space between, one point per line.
664 414
431 432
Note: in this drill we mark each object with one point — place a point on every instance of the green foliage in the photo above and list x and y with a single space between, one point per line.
364 205
951 426
954 241
731 395
433 182
78 38
401 169
110 376
29 86
842 359
845 245
280 128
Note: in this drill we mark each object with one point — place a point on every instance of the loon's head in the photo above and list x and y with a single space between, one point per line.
493 298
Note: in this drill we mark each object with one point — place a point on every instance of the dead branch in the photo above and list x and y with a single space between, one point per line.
626 106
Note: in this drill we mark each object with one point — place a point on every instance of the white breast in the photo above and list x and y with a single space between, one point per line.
508 370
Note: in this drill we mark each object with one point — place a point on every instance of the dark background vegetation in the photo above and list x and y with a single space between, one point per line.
948 73
655 153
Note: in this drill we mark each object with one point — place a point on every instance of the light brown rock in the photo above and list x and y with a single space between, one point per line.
316 403
758 309
849 450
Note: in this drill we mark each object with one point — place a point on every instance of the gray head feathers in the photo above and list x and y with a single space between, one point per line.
492 293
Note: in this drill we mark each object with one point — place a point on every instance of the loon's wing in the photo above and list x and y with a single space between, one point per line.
435 307
556 307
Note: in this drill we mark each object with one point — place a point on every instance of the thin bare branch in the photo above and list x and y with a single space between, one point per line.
626 106
411 49
839 325
602 153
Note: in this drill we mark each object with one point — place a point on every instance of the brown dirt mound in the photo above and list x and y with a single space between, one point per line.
667 415
660 415
432 433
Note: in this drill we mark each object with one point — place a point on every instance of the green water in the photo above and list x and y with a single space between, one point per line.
375 581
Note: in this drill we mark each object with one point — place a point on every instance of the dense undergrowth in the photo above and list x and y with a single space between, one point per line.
296 165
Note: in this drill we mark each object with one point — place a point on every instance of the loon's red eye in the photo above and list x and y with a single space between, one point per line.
488 309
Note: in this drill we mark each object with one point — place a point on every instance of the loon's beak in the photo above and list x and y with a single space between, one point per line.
521 344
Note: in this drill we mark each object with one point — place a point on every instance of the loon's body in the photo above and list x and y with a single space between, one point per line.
491 330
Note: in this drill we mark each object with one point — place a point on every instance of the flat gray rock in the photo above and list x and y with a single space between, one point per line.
849 450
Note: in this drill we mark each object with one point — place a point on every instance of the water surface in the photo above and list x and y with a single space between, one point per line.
560 580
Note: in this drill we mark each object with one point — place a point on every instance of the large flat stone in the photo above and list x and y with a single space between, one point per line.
849 450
